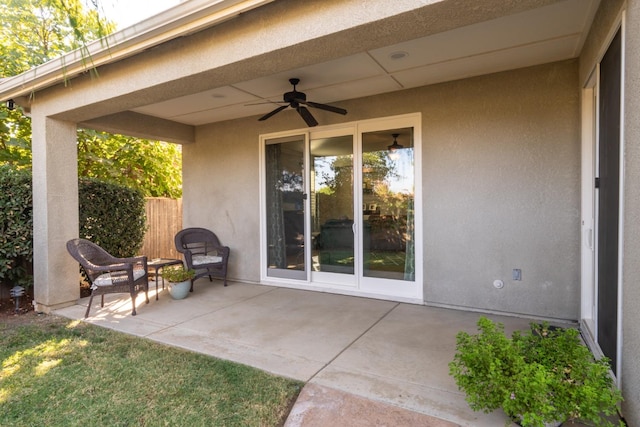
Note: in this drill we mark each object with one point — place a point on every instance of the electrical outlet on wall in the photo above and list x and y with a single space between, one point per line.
517 274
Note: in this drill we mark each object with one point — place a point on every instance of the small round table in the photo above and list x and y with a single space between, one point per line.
158 264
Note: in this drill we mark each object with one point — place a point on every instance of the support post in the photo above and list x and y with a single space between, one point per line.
55 212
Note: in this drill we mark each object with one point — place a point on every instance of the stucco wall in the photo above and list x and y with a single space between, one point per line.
221 191
501 186
631 272
501 179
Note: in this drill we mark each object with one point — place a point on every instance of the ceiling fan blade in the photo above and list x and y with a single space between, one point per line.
327 107
265 102
274 112
307 117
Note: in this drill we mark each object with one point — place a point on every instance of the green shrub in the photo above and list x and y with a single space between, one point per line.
112 216
537 377
16 227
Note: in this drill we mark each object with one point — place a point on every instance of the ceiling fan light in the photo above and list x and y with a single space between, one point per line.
395 146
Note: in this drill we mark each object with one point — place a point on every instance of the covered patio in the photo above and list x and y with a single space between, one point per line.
519 193
386 358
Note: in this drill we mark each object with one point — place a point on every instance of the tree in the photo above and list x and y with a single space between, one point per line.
36 31
151 167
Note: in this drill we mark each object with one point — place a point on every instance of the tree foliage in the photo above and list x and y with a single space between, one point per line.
36 31
151 167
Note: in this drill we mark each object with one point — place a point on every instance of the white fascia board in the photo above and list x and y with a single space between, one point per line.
185 18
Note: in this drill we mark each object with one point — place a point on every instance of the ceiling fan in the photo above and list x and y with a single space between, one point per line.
298 100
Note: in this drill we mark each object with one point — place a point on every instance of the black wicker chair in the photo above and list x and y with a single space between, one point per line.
108 274
203 253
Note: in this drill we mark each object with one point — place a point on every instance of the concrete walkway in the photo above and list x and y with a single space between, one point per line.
366 362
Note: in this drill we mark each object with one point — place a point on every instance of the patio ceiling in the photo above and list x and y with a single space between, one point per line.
549 33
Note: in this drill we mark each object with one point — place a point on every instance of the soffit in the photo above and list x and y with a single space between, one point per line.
549 33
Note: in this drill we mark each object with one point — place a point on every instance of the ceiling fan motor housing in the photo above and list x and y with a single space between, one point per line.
295 96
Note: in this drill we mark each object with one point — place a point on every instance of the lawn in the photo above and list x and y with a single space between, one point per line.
57 372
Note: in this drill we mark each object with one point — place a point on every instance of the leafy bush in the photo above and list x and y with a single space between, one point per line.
112 216
537 377
16 227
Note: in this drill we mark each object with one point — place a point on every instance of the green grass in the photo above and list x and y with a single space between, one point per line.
57 372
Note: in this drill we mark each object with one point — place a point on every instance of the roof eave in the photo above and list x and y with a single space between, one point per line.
185 18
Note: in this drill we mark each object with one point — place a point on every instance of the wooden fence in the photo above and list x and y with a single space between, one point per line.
164 220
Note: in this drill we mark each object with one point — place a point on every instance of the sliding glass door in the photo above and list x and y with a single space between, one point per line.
332 208
388 220
285 207
339 208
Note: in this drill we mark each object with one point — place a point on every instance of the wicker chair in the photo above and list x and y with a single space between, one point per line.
203 253
108 274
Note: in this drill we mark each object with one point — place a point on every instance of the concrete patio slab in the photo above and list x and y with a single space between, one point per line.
365 361
283 331
407 358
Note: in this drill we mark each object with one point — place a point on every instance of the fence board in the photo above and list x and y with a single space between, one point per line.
164 220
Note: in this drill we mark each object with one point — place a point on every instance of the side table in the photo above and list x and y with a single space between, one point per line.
158 264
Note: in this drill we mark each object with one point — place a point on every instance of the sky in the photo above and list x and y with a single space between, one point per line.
128 12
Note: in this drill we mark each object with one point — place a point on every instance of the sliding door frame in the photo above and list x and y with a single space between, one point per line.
395 290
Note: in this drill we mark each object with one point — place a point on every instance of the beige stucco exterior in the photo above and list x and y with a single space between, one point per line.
500 187
631 271
500 153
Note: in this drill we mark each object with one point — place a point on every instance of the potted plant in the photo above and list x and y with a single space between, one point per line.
179 279
538 377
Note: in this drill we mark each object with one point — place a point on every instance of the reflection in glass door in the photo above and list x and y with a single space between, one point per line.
332 207
285 207
388 204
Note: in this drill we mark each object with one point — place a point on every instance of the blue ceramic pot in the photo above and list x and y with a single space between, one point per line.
179 290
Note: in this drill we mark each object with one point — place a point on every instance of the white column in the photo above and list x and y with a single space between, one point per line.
55 212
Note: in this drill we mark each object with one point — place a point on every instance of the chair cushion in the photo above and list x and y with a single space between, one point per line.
106 280
206 259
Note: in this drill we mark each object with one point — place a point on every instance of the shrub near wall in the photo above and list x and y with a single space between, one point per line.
16 227
112 216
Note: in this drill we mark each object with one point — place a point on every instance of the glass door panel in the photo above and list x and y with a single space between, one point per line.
332 207
388 204
285 207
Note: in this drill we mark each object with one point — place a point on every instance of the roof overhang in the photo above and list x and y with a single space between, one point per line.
186 18
339 49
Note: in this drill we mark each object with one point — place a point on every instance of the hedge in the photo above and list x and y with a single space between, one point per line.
16 227
111 216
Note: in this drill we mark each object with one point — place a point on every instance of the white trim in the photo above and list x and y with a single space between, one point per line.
620 336
587 304
340 290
